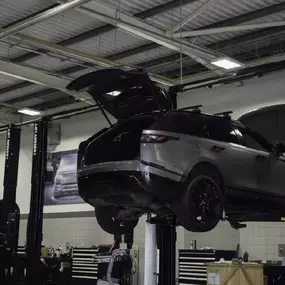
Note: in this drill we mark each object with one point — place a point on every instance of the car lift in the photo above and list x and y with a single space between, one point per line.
35 220
163 231
10 214
12 267
9 210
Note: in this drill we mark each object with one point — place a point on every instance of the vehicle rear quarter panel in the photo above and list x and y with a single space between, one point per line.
183 154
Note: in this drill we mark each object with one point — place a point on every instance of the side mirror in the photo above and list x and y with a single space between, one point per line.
279 149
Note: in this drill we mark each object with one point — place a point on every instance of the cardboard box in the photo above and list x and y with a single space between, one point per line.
234 274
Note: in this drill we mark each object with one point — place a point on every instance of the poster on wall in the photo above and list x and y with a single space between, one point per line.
61 183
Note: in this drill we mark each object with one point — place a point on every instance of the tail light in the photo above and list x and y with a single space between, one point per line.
149 138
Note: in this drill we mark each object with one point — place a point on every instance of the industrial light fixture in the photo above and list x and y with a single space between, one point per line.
29 112
226 63
114 93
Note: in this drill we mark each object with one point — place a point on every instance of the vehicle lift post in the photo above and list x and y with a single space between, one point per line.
166 244
10 213
35 220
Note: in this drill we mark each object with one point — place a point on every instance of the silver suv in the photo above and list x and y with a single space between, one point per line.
200 167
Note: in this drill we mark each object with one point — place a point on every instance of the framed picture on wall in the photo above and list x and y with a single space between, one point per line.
61 183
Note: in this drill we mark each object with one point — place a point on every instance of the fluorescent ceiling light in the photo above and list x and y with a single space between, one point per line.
114 93
226 63
29 112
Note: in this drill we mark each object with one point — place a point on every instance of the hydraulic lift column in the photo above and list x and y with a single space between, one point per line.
9 210
35 221
166 244
166 241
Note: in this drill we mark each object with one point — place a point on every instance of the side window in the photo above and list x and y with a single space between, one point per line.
220 129
254 140
182 122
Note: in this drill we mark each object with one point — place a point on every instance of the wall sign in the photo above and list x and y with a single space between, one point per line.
61 183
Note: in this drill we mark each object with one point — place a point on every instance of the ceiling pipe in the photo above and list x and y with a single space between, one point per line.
41 17
238 28
103 12
193 15
71 54
42 78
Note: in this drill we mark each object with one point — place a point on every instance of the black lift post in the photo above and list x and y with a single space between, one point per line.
9 210
166 243
35 221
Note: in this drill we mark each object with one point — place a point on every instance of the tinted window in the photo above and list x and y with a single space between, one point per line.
182 122
254 140
199 125
220 129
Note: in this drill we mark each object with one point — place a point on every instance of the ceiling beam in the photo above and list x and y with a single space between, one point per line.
47 105
107 28
254 15
238 28
160 9
137 27
41 17
192 15
41 78
251 66
223 45
254 54
82 56
228 22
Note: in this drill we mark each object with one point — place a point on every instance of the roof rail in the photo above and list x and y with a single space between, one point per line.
195 108
225 114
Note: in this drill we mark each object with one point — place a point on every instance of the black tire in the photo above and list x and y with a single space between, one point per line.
202 202
106 218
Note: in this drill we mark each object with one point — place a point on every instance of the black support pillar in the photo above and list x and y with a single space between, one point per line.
166 241
35 221
9 210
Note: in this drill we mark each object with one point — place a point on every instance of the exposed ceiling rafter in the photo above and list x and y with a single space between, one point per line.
69 53
137 27
160 9
148 64
12 29
41 78
192 16
254 15
107 28
249 67
239 28
221 45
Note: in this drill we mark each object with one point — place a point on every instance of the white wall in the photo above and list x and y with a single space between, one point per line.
255 93
261 240
221 237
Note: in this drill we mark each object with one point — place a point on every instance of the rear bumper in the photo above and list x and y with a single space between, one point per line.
129 166
126 183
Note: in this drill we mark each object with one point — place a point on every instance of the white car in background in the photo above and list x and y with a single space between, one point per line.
65 181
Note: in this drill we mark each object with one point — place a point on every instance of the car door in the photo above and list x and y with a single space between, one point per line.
235 161
259 153
277 176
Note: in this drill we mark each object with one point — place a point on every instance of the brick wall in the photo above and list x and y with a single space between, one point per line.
261 240
83 231
222 237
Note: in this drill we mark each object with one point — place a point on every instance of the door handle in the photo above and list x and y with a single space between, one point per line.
261 157
217 149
